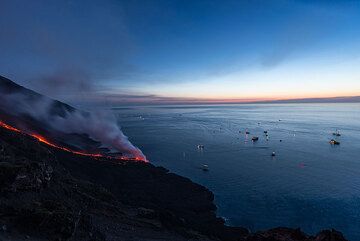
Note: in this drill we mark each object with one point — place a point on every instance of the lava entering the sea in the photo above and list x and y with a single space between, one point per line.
49 143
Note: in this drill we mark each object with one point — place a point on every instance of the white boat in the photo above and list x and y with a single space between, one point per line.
205 167
337 133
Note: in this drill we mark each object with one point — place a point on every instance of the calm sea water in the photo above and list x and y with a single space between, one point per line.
308 184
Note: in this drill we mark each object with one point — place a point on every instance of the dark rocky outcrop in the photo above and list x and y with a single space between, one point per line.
287 234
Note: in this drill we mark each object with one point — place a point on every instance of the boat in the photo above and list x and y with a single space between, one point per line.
265 132
255 138
247 132
200 147
273 154
337 133
334 142
205 167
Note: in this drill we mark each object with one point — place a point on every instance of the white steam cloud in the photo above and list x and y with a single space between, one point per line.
99 126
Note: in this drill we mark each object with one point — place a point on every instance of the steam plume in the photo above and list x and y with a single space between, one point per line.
99 126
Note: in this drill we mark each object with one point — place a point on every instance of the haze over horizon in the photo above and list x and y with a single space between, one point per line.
111 52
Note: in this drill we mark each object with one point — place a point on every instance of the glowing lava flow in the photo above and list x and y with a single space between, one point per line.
6 126
45 141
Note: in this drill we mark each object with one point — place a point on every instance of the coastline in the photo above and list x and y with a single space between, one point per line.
102 200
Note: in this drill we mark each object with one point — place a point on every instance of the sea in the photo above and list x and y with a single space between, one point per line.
308 184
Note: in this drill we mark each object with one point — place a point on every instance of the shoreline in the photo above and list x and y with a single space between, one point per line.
164 203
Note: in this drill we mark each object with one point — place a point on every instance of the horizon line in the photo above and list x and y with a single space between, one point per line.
183 101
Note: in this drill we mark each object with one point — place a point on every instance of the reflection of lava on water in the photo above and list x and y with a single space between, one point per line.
82 153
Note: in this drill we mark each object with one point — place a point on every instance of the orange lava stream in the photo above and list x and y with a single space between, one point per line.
45 141
6 126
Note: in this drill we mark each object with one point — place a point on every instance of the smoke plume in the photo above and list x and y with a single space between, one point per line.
54 115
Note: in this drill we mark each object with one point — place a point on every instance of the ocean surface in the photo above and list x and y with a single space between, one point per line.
308 184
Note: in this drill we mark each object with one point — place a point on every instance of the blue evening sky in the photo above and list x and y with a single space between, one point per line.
160 51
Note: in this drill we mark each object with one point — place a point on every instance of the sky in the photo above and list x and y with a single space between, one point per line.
166 51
